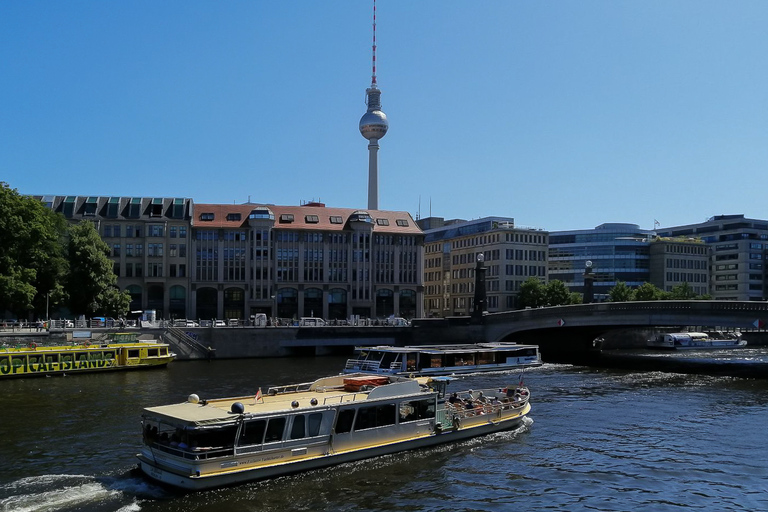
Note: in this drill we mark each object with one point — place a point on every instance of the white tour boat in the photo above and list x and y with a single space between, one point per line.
697 341
443 359
202 444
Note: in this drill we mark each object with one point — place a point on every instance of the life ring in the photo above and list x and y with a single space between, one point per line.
87 344
456 423
33 345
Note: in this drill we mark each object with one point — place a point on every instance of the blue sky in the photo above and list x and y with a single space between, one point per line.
563 115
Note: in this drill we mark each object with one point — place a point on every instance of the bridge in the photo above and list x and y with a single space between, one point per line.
574 328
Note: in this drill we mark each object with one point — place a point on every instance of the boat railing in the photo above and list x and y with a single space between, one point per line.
363 365
293 388
478 408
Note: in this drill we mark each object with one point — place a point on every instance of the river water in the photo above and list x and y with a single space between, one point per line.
599 440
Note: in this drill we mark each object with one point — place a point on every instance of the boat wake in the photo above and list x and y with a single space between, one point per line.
122 493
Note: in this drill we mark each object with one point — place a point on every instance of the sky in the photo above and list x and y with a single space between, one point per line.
562 115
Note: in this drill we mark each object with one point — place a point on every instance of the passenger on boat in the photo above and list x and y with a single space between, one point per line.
454 399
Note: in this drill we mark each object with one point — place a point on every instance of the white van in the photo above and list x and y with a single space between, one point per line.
311 322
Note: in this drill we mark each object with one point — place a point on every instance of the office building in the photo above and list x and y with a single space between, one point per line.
512 255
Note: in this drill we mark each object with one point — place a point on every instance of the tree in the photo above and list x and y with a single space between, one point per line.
682 291
556 293
32 263
92 281
648 291
621 293
532 293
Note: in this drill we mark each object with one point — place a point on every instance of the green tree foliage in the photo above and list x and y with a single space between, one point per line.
92 281
557 293
621 293
647 291
532 294
683 291
32 262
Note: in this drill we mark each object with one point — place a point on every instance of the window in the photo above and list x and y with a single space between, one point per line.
178 208
311 219
253 432
173 230
234 217
90 206
382 222
275 429
112 207
344 422
134 210
286 217
155 230
375 416
157 207
206 217
402 223
69 206
337 219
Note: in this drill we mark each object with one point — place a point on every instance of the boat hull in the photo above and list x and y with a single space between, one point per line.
475 427
43 361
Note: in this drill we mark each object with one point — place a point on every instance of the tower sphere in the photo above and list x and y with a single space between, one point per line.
373 124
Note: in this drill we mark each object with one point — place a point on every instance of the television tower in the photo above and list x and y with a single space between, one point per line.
373 126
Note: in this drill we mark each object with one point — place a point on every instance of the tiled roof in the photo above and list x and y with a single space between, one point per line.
315 218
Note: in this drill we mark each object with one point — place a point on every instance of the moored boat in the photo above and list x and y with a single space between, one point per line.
202 444
443 359
117 351
697 341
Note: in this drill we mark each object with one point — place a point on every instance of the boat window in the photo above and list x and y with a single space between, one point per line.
152 352
96 356
275 429
52 358
217 438
81 356
344 422
253 432
485 358
5 365
375 416
66 358
417 410
299 427
109 355
313 424
133 353
163 351
35 359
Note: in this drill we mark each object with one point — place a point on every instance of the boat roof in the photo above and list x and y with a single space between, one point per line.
447 349
327 392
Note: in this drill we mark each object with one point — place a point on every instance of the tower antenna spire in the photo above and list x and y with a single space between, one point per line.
373 126
373 69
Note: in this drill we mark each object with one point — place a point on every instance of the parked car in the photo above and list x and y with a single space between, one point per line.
219 323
